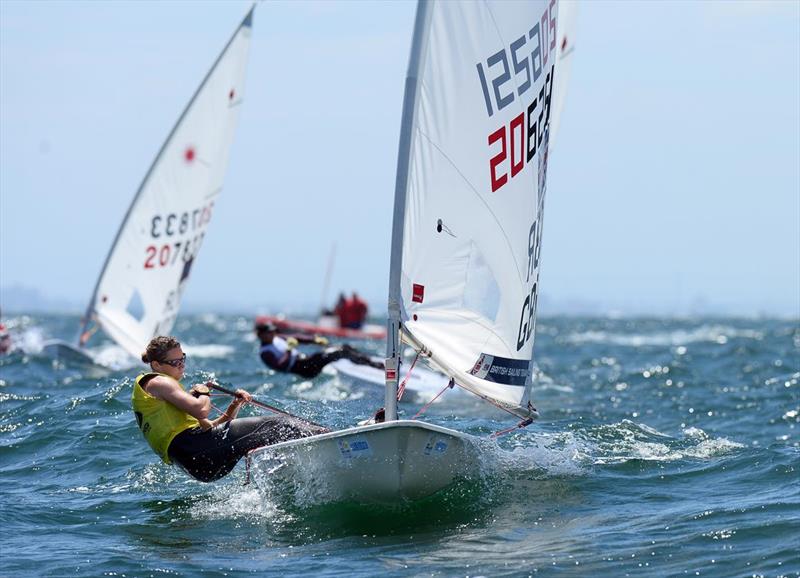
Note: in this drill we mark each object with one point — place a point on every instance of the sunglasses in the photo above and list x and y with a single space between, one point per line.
175 362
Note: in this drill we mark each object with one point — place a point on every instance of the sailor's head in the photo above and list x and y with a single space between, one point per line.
164 354
266 329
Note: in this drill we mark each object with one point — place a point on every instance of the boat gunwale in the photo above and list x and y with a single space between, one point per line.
404 423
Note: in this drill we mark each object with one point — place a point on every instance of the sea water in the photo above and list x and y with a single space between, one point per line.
665 447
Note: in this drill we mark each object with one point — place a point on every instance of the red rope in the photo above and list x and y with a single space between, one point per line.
522 424
225 413
498 406
402 389
449 385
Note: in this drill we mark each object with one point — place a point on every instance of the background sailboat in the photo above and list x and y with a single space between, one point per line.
466 241
139 290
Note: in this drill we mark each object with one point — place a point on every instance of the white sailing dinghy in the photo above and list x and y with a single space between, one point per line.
138 293
467 231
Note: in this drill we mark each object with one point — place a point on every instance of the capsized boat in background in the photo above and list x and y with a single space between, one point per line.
466 239
139 290
326 325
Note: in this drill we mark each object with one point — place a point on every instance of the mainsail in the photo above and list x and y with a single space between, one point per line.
470 192
463 284
565 46
139 290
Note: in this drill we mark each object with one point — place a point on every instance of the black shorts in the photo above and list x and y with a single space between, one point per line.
211 454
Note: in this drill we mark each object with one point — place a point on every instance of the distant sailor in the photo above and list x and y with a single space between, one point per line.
5 340
280 354
352 313
175 422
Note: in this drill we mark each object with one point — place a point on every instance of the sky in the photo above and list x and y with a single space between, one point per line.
674 184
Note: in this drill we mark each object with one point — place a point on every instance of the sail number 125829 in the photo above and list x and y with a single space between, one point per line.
509 74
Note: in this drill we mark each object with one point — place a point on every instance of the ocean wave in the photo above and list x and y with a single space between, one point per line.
236 502
560 454
628 441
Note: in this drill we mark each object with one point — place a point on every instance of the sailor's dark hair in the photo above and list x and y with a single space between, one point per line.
266 327
158 347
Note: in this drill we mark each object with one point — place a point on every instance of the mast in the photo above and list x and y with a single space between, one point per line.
247 22
327 282
419 46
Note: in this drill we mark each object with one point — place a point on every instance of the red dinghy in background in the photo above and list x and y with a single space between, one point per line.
327 325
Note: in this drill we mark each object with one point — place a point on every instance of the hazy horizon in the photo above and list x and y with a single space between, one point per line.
673 185
27 300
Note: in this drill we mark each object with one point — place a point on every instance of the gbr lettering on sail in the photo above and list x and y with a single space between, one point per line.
511 73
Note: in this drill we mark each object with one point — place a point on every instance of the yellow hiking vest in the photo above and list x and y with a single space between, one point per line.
159 420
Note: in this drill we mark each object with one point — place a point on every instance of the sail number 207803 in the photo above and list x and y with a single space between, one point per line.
176 236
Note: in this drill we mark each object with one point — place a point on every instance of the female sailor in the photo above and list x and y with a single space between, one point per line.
176 423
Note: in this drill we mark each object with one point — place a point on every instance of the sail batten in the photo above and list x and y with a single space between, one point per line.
470 191
142 281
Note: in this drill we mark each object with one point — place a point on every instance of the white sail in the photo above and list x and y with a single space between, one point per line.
470 191
139 290
465 248
565 45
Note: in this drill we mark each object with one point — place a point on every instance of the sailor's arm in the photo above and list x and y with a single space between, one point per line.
242 397
306 338
170 390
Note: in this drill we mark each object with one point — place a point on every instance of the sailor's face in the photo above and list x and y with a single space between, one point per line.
174 363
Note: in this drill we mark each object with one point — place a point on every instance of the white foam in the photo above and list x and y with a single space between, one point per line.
712 448
705 333
113 356
237 502
631 443
30 340
561 454
308 486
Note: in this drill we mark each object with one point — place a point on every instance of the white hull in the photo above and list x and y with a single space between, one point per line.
66 352
423 383
383 462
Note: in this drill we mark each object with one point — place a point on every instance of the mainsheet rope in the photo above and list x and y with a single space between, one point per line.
452 383
449 385
212 385
402 389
